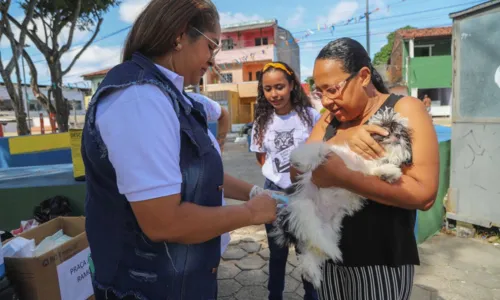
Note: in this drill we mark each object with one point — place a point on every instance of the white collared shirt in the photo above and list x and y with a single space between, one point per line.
142 134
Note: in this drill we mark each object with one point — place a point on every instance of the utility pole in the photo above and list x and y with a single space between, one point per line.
26 100
367 28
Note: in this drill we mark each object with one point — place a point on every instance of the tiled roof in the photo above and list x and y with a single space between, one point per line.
98 73
424 32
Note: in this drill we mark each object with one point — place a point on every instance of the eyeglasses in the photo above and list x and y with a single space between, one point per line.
333 92
216 45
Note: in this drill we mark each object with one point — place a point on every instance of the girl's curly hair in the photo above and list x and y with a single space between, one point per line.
264 110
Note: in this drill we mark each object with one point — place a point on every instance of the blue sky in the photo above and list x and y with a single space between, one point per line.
295 15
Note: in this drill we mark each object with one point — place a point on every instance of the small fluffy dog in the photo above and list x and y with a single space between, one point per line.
313 217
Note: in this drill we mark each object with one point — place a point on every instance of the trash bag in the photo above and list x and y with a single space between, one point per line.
52 208
5 235
7 291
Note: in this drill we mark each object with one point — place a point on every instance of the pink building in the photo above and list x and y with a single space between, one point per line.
247 47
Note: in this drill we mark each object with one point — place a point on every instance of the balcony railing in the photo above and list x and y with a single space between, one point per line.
248 54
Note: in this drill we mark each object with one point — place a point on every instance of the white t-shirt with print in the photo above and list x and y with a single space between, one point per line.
283 134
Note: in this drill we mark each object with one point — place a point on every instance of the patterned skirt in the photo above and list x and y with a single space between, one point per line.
366 282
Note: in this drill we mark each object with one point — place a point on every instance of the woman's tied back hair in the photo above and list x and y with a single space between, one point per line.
298 98
353 57
155 30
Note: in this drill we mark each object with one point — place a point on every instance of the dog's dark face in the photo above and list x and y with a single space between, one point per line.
398 141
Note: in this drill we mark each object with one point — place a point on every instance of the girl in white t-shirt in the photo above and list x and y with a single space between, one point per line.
284 118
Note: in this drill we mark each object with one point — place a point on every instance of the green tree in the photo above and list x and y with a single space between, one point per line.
56 15
384 54
310 80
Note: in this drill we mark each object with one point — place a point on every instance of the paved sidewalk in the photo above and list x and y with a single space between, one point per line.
451 268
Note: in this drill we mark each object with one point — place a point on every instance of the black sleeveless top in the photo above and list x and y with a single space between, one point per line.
378 234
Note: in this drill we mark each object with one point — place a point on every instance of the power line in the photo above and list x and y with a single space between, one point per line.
285 50
76 46
404 15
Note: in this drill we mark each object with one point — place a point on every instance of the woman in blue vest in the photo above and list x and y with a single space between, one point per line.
154 177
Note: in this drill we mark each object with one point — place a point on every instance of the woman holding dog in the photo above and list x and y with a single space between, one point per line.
378 243
284 120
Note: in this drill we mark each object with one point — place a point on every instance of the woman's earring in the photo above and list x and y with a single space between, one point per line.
178 47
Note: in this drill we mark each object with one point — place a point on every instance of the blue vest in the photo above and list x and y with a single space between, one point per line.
125 260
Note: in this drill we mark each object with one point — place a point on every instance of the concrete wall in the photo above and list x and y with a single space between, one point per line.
290 53
475 163
250 70
248 54
430 72
35 150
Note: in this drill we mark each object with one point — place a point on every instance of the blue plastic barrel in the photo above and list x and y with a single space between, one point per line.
212 126
2 265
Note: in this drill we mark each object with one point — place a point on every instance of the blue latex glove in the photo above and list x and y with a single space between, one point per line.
282 199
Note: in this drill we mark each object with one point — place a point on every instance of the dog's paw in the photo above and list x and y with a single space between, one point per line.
312 275
388 173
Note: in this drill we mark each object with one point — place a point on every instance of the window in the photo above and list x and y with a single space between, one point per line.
227 44
227 78
249 76
261 41
423 50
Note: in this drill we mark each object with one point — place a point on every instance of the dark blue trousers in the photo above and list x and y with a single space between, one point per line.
277 263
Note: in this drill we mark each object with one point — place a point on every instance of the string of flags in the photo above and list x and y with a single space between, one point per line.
286 42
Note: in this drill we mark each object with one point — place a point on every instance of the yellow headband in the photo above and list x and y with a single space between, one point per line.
276 66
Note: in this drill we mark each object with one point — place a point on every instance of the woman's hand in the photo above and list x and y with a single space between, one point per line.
262 208
221 141
360 141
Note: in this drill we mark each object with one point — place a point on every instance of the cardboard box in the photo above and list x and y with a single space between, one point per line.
59 274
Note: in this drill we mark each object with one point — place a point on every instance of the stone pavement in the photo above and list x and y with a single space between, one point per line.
451 268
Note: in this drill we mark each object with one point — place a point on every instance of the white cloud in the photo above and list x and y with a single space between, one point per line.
305 71
130 9
228 18
94 59
297 18
341 12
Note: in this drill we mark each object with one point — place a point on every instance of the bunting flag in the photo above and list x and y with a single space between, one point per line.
320 27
